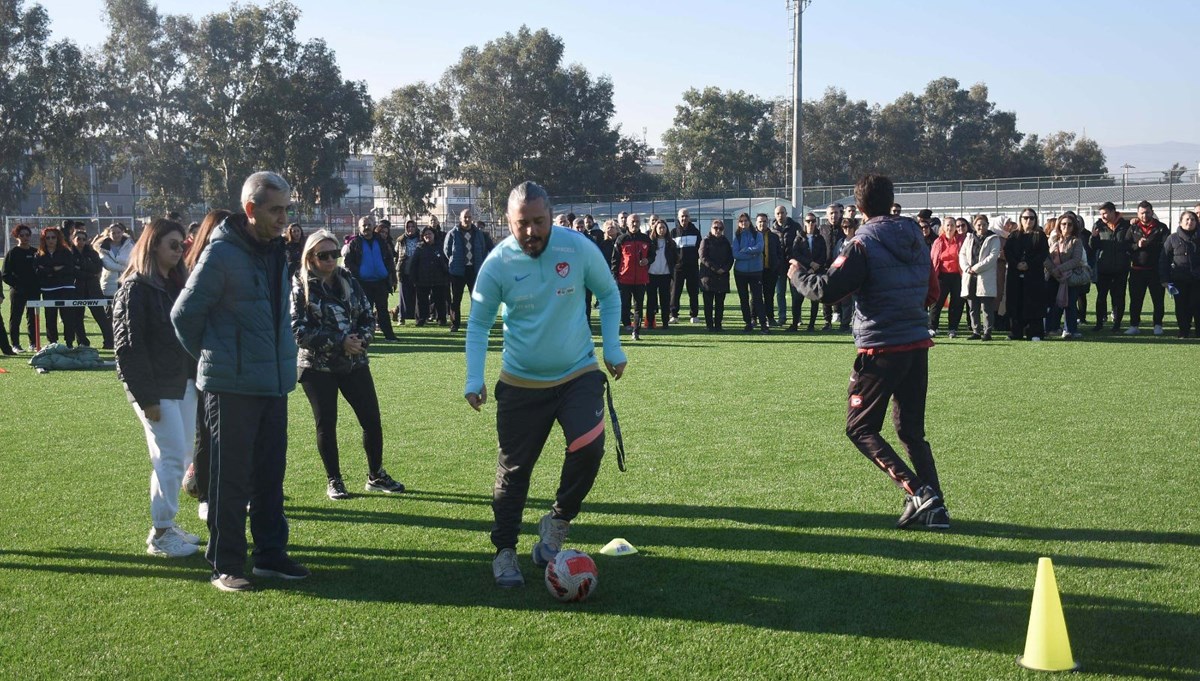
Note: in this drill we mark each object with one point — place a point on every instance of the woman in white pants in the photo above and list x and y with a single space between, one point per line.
158 375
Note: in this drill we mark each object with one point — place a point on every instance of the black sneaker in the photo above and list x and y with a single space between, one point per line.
284 568
974 336
232 583
336 489
382 482
936 518
916 504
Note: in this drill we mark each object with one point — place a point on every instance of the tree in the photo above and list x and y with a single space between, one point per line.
520 114
23 36
837 141
147 102
411 144
1175 174
719 140
1063 155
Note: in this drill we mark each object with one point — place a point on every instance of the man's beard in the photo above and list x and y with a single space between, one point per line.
533 246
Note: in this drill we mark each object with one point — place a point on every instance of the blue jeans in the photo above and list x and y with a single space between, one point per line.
1056 312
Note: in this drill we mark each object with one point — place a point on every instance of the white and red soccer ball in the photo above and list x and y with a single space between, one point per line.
571 576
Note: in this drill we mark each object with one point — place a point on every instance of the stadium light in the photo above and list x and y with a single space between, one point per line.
797 7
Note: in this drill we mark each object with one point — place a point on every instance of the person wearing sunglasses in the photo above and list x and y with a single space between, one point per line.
333 323
716 259
56 275
158 375
1025 254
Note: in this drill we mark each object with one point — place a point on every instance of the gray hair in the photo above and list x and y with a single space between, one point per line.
255 188
528 192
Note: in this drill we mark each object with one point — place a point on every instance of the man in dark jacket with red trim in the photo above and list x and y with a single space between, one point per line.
886 267
1145 238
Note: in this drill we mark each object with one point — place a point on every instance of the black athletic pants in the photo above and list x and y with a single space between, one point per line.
658 297
427 297
769 278
524 418
750 294
246 465
631 300
201 458
951 287
714 309
689 277
903 378
358 387
456 293
16 307
408 298
1111 285
378 292
1187 307
1141 281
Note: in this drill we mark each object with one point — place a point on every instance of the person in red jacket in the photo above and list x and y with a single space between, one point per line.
944 254
630 263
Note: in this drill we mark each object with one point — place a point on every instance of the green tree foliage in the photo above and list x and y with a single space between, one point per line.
719 140
411 144
520 114
23 36
1063 154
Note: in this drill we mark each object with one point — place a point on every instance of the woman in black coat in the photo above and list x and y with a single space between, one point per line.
716 259
20 274
87 287
1025 284
431 277
55 265
810 250
1179 270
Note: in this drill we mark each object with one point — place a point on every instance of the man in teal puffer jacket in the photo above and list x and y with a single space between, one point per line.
233 317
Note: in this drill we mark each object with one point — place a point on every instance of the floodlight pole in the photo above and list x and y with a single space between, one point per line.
798 7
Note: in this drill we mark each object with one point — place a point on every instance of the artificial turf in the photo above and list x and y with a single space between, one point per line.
767 547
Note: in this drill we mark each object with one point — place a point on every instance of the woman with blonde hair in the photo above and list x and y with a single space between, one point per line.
158 374
1068 274
334 323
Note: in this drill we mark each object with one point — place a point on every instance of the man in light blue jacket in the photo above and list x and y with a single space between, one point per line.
233 317
549 371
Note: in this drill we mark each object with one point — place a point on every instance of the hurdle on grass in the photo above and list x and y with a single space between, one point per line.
56 304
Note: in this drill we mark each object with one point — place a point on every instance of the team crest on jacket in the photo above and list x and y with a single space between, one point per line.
563 269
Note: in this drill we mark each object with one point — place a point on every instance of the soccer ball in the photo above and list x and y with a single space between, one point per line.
571 576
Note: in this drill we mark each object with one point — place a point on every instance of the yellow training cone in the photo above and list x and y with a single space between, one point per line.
1047 648
618 547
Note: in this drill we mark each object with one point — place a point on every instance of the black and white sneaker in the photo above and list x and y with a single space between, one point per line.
916 504
336 489
232 583
382 482
936 518
284 568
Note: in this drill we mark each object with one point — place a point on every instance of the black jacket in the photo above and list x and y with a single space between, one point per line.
293 249
819 253
87 276
773 252
1110 246
429 266
20 271
716 253
787 234
1031 249
1179 261
150 360
1146 257
673 254
48 276
687 240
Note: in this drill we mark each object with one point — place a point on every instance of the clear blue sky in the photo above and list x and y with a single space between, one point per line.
1123 70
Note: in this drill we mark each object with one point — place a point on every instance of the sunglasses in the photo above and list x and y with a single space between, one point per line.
1026 217
325 256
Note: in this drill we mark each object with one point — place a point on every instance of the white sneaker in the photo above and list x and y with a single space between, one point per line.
1158 329
1132 331
185 535
202 510
673 320
169 544
695 320
837 318
932 332
1036 338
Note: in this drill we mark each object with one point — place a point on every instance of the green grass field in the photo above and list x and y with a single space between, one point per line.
766 539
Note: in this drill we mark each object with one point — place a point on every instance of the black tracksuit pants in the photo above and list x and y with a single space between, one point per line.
750 295
456 293
377 292
16 308
358 387
202 457
714 309
1187 307
658 297
1141 281
902 378
632 296
950 287
1111 285
246 465
769 278
524 418
686 276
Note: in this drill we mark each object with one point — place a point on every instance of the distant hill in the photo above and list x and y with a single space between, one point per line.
1151 157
